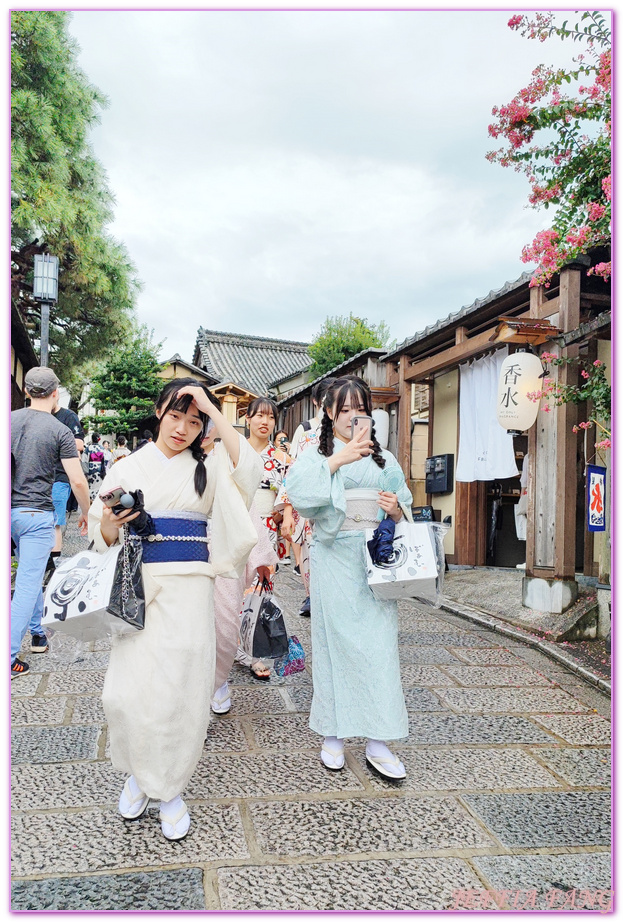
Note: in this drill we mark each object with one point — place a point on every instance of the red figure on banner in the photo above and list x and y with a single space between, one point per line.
597 503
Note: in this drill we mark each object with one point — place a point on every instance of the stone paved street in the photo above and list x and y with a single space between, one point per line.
507 788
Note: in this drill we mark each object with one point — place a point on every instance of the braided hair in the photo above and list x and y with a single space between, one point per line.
169 401
335 397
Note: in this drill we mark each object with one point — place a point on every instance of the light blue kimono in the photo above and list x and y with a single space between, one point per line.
356 670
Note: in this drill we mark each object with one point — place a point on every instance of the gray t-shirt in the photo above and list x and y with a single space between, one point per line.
38 443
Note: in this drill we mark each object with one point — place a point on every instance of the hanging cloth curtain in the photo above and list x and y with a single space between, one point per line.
485 448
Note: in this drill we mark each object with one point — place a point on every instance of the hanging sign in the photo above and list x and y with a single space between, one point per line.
595 497
520 375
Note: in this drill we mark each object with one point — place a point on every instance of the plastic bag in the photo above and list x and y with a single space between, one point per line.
294 661
416 566
127 595
262 631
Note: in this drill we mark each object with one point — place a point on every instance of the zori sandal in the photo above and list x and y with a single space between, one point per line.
391 769
332 757
221 702
174 819
132 805
260 670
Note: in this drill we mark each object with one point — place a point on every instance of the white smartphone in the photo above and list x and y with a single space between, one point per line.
358 424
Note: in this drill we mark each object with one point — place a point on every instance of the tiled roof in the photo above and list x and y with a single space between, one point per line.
336 372
178 360
250 361
461 314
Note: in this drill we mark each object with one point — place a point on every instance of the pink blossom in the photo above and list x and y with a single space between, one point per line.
515 21
605 443
597 363
547 408
606 185
584 374
596 211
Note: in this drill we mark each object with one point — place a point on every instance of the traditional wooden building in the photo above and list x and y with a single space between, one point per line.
23 357
558 543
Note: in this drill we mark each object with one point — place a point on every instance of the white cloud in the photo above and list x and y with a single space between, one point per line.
271 168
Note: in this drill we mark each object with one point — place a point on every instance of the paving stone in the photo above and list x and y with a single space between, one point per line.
407 884
225 735
37 710
495 657
81 682
85 784
552 876
256 701
426 656
25 685
545 820
464 769
69 662
457 729
54 744
465 639
509 700
580 767
579 729
88 709
265 775
152 890
98 840
424 675
343 827
504 676
591 697
289 732
301 697
421 699
241 676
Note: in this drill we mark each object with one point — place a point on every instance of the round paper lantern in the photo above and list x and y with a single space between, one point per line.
381 426
520 375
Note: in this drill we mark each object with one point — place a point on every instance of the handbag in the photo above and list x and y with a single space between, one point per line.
262 630
294 661
91 596
413 568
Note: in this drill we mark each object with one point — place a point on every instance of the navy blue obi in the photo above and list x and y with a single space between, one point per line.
176 539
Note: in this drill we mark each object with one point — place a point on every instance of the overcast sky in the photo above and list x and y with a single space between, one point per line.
273 168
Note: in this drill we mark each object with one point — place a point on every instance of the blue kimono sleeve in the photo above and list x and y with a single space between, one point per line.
317 494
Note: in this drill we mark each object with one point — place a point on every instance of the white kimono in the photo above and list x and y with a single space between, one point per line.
159 681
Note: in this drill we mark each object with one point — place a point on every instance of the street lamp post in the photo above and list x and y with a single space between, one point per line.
45 290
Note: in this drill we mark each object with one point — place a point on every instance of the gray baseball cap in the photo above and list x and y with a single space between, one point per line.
40 381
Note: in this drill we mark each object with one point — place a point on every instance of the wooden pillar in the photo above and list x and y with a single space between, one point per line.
552 474
230 405
404 419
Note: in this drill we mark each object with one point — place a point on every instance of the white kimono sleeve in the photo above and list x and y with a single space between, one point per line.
233 534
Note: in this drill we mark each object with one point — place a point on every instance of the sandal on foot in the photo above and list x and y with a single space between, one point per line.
174 825
256 668
221 702
332 758
390 769
132 806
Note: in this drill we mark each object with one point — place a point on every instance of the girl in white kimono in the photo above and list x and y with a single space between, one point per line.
356 671
159 681
261 419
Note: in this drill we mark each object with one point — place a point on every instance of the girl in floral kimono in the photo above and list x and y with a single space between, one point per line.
340 485
261 419
159 680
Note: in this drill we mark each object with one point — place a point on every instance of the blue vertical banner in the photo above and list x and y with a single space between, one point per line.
595 497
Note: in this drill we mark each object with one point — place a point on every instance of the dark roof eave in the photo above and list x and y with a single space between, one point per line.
373 350
456 318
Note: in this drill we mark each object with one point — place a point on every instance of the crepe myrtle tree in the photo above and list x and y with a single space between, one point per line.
562 142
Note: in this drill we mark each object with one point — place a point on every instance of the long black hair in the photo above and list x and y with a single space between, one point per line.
335 398
169 401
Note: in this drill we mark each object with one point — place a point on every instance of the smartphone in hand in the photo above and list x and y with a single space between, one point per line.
113 499
359 423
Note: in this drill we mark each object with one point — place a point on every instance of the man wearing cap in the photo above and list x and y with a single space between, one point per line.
38 443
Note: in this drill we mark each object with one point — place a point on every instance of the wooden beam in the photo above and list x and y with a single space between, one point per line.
460 335
404 420
584 330
566 449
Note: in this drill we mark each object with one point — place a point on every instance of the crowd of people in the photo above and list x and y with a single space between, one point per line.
228 510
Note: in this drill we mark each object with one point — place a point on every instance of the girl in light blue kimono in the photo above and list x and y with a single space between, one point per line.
340 484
